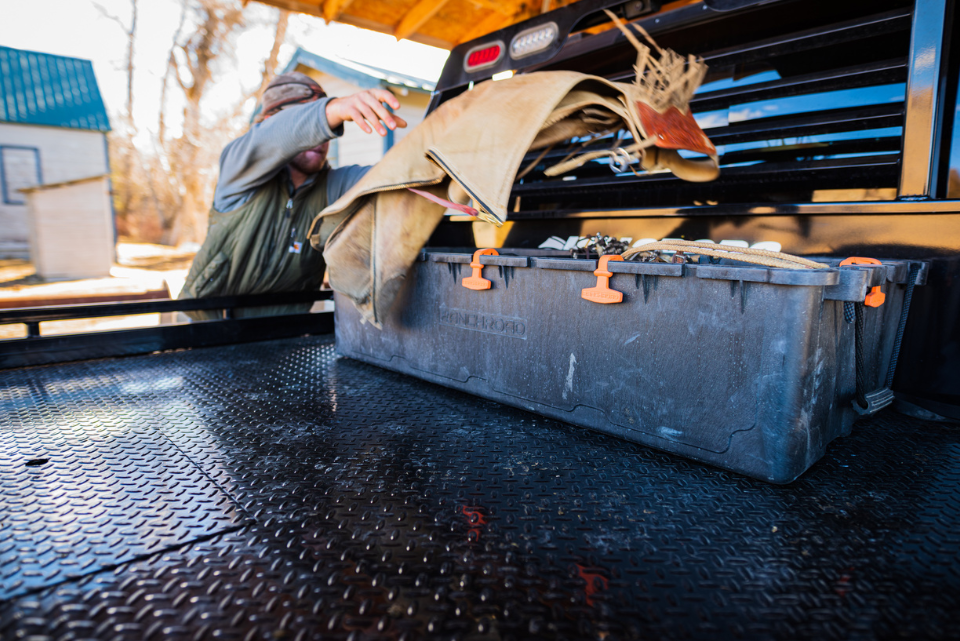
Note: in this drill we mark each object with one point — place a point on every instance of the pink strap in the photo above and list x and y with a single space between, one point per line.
470 211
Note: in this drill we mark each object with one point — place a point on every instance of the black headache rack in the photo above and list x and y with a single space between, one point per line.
801 98
835 128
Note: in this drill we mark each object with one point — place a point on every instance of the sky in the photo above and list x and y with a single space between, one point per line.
79 29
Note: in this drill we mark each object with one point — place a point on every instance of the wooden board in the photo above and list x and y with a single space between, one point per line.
439 23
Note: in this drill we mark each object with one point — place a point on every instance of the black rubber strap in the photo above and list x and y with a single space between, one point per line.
907 297
858 338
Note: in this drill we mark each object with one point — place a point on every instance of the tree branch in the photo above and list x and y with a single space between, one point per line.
131 41
109 16
171 64
270 64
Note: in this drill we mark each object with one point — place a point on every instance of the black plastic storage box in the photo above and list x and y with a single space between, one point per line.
748 368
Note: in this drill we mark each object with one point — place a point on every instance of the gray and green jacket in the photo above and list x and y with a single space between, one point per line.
257 236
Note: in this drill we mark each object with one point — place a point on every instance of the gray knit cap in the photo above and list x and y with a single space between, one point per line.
287 89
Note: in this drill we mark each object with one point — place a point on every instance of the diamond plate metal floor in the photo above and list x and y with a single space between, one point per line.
276 491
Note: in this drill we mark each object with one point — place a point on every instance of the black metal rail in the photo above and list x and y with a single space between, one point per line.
775 127
868 75
819 123
780 172
811 39
31 315
37 349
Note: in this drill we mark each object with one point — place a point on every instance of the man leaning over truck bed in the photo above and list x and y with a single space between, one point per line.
273 181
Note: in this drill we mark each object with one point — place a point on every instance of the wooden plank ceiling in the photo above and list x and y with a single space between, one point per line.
440 23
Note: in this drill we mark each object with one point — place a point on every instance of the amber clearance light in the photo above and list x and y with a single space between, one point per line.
483 56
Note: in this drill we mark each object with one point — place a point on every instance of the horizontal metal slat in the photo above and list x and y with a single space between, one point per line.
888 22
775 127
822 122
780 170
764 50
745 209
784 155
793 153
879 73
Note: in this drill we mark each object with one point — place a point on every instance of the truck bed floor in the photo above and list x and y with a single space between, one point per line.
278 491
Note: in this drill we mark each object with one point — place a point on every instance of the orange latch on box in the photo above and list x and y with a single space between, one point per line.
875 296
602 292
475 281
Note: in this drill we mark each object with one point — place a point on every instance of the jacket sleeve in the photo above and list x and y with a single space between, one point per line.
255 157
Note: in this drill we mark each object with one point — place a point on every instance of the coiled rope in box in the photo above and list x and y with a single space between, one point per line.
743 254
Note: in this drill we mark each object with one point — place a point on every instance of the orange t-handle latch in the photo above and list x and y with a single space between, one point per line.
602 292
875 297
475 281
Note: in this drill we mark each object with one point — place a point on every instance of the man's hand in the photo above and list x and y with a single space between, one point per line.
366 109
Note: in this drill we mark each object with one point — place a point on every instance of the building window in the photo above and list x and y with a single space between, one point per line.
19 168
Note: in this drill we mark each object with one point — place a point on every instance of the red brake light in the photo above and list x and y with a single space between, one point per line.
485 55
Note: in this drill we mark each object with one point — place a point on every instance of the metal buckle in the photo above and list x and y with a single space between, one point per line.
876 401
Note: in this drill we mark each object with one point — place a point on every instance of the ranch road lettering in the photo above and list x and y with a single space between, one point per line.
487 323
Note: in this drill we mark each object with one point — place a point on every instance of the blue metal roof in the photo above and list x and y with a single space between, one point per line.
362 75
43 89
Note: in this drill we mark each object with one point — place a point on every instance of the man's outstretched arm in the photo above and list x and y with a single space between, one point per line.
254 158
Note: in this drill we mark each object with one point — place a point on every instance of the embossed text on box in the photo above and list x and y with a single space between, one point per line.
484 322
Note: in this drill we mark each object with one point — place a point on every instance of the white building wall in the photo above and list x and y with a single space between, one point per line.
65 154
413 107
71 229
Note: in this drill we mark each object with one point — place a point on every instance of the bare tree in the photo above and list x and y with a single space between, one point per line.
131 42
163 194
171 68
131 33
230 118
189 155
190 159
124 156
270 64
